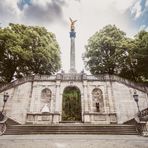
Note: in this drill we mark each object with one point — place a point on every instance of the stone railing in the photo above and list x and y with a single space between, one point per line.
71 77
16 82
28 79
75 77
106 77
44 78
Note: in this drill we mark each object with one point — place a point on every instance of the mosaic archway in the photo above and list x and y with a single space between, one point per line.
71 105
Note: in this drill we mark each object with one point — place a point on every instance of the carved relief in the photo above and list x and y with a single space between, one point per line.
97 99
45 100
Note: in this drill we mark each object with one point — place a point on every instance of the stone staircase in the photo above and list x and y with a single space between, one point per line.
71 129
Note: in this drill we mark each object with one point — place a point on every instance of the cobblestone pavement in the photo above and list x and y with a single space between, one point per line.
73 141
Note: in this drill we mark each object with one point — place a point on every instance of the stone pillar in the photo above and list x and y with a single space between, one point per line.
57 105
111 99
51 105
111 103
33 100
86 109
57 96
85 97
32 104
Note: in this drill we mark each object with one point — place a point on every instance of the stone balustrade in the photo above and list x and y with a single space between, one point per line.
74 77
27 79
114 78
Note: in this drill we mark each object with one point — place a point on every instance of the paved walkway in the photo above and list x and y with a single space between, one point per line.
73 141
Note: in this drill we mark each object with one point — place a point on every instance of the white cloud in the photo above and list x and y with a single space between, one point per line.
9 11
43 12
123 5
54 15
41 2
92 16
143 27
146 3
136 10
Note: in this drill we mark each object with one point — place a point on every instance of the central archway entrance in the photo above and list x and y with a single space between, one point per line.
71 105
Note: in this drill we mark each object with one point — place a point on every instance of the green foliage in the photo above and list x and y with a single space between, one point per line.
110 51
27 50
103 50
128 61
142 54
71 104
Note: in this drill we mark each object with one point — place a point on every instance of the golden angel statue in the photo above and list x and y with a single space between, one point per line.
72 24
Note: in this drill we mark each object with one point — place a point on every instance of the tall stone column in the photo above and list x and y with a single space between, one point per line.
72 47
72 55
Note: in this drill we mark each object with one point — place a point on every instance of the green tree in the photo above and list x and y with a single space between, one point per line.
128 61
142 54
134 65
27 50
105 51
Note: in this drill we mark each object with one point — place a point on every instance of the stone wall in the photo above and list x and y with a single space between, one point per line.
126 107
18 102
117 104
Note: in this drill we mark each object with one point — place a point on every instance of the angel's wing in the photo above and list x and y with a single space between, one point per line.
70 19
74 21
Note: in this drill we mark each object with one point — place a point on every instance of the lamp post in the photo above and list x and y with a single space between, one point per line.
6 96
135 96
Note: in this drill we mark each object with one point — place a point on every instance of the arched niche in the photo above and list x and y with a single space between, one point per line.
45 100
97 100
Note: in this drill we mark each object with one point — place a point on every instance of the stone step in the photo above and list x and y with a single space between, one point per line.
69 129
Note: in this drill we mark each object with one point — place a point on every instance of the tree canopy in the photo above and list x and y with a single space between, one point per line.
27 50
110 51
142 54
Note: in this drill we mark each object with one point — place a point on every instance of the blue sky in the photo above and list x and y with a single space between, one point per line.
142 20
22 3
129 15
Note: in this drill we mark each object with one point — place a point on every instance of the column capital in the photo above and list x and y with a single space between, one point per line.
72 34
